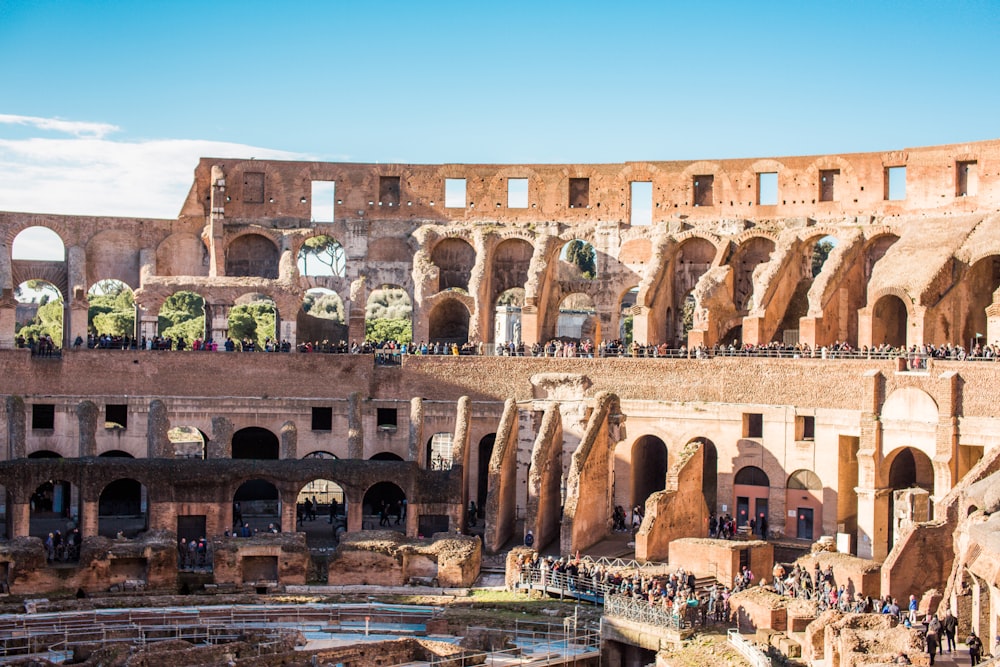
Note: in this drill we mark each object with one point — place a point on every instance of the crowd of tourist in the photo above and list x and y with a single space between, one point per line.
391 351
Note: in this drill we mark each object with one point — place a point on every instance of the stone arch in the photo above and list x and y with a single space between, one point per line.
188 442
254 442
981 282
440 451
576 318
122 508
252 255
909 418
321 512
40 311
257 505
111 311
693 256
38 243
454 259
908 468
448 322
183 315
577 260
649 463
385 456
54 505
253 323
182 254
751 495
628 309
484 452
890 316
322 317
751 250
319 256
388 495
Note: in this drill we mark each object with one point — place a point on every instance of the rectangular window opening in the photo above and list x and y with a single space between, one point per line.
579 192
115 416
386 418
388 190
43 416
753 425
517 193
703 190
895 183
253 187
828 184
967 179
322 418
805 427
324 196
641 213
767 188
454 193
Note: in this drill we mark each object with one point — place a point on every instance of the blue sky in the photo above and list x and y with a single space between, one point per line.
142 89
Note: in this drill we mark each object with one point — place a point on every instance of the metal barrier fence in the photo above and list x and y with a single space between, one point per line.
535 644
641 611
579 587
754 655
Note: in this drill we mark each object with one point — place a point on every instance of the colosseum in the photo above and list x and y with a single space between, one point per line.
808 341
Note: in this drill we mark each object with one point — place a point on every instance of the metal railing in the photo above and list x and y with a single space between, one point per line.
641 611
534 644
579 587
753 655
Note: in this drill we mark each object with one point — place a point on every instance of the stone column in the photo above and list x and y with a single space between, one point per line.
355 427
157 426
221 444
289 440
356 311
217 219
19 515
87 415
16 425
8 310
355 514
89 518
75 315
417 450
218 315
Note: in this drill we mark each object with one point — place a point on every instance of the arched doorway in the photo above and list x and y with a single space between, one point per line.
38 319
255 442
889 318
54 508
454 259
449 323
751 490
804 496
187 442
385 456
321 512
122 509
252 255
384 507
439 451
649 468
909 468
257 506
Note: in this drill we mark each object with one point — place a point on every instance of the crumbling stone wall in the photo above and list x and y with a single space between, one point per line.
678 511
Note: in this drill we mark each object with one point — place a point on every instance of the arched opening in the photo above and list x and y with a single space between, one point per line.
626 308
388 315
909 468
982 281
322 256
454 259
649 468
121 509
187 442
509 271
256 508
384 506
804 496
693 258
889 318
815 252
44 454
111 315
39 244
577 319
751 490
733 336
255 442
327 456
115 454
507 321
253 323
577 261
449 323
321 512
252 255
38 316
486 445
322 321
385 456
181 318
55 508
748 256
439 451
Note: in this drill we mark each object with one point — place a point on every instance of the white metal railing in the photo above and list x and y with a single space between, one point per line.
641 611
754 655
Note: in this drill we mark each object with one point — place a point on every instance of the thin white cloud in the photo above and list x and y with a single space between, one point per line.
74 127
92 175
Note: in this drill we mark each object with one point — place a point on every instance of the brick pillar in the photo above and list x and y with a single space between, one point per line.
20 519
355 514
89 518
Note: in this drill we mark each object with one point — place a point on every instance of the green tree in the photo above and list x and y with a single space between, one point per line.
821 251
389 328
322 256
324 305
582 255
111 309
253 321
48 320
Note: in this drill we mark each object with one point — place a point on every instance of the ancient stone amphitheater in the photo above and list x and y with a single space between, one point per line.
850 393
